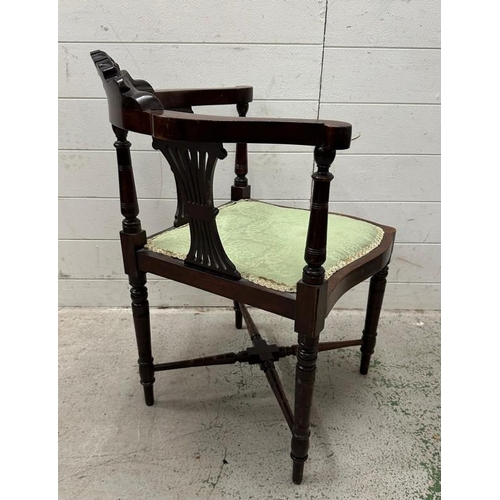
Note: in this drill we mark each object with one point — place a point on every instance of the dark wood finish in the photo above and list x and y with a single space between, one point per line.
129 205
279 392
315 253
238 318
281 303
340 344
312 293
241 189
373 308
267 354
140 312
311 304
187 98
193 165
173 125
305 375
261 352
192 144
123 93
360 270
139 111
227 358
133 238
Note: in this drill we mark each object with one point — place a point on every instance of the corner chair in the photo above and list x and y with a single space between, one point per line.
292 262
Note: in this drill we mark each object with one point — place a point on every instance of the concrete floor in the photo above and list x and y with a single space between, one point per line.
217 432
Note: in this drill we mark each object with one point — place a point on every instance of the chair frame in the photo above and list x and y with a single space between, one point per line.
193 143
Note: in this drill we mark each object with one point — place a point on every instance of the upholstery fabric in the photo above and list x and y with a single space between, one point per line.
266 242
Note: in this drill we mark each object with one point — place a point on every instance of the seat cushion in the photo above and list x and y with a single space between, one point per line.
266 242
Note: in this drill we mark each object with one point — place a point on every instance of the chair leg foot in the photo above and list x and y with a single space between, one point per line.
298 471
238 318
373 308
365 363
149 394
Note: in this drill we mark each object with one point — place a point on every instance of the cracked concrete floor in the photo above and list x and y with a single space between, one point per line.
217 432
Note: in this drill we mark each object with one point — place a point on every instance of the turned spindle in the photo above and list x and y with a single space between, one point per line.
241 190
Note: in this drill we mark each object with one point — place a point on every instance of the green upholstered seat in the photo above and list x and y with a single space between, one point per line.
267 242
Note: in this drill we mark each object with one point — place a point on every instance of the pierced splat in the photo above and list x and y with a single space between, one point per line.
193 166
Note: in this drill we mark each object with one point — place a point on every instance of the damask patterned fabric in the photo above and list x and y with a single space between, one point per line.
267 242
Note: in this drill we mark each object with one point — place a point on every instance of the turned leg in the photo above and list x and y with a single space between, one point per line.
305 373
238 318
373 308
311 307
140 311
132 238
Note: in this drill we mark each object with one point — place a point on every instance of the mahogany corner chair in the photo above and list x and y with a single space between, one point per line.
255 253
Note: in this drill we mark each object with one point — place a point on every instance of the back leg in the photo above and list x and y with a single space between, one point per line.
373 308
238 319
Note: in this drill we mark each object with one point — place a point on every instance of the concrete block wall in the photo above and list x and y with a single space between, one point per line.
373 63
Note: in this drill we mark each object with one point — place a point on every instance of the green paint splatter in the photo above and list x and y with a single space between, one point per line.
434 473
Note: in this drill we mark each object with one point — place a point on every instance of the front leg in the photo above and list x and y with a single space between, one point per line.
305 375
140 312
373 308
311 308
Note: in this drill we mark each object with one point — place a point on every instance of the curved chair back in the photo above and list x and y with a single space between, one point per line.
192 163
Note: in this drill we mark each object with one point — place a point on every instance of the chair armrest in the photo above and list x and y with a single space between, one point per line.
174 125
183 98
